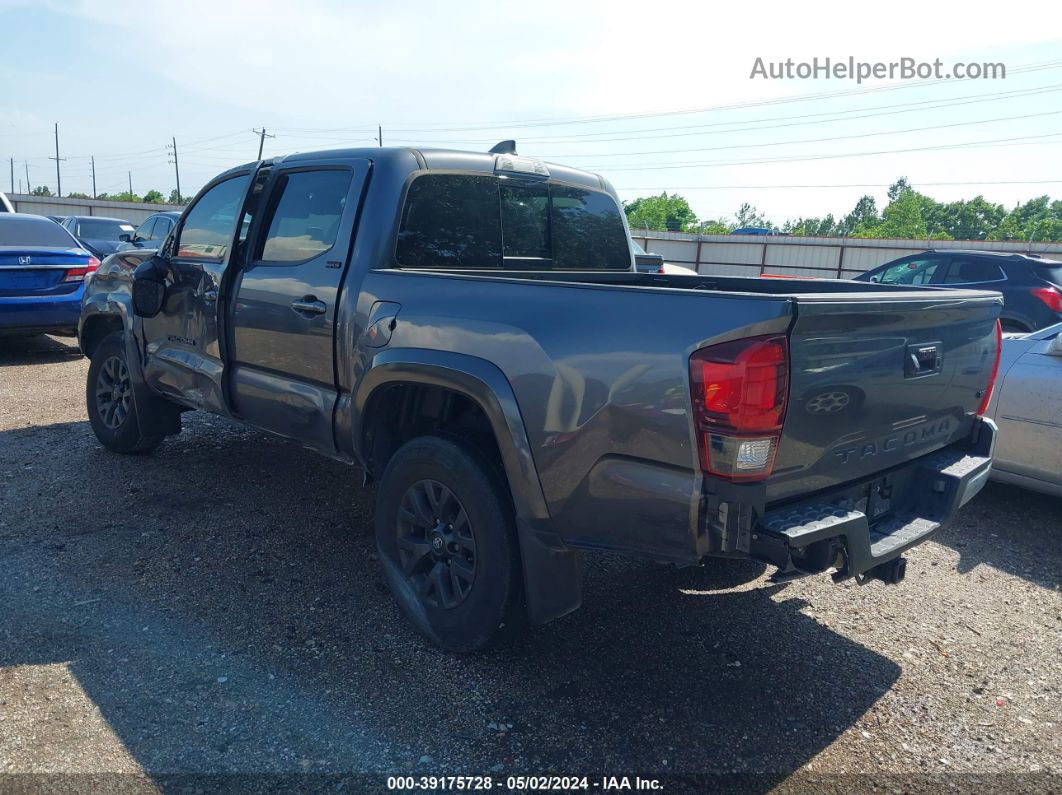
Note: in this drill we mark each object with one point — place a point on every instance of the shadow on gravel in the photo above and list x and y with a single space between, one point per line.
39 349
1012 529
220 603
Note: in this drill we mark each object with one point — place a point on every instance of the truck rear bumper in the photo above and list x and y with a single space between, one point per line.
860 529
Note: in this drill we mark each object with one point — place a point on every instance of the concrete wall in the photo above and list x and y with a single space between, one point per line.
825 257
134 212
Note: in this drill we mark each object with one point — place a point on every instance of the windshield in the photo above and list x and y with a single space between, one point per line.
32 231
103 229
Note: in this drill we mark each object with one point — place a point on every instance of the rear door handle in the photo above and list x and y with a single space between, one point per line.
310 305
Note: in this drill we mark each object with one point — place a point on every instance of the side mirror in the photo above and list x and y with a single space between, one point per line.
149 288
125 237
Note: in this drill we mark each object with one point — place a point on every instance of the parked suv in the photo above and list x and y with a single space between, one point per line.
1031 286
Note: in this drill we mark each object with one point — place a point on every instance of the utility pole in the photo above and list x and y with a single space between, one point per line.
262 135
379 134
58 181
93 176
177 168
130 173
12 175
29 188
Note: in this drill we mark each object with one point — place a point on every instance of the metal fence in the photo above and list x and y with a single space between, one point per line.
134 212
825 257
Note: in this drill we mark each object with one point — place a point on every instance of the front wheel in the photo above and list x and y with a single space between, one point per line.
111 406
447 540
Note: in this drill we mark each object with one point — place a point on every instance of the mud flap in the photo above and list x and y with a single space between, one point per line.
553 580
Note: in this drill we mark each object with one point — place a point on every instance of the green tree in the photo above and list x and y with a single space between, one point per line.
811 227
153 197
717 226
664 212
176 198
897 188
902 218
41 190
77 195
125 196
747 215
865 213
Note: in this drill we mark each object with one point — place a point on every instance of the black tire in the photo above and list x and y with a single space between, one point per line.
112 410
458 612
1012 327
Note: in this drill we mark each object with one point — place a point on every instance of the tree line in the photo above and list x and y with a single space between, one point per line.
909 214
151 197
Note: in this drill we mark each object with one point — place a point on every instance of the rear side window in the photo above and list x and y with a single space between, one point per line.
460 221
28 231
1052 273
971 271
211 222
450 221
305 218
588 232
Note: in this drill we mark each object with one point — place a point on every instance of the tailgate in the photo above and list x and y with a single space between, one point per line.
878 380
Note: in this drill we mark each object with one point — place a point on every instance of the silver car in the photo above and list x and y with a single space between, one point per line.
1027 407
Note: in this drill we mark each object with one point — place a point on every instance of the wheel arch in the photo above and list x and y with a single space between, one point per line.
475 379
552 577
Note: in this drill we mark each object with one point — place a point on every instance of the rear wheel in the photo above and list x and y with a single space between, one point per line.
112 409
1010 326
446 536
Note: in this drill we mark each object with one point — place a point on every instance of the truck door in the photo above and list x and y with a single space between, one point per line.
182 348
283 308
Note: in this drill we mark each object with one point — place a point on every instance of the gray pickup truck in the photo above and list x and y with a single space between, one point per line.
470 331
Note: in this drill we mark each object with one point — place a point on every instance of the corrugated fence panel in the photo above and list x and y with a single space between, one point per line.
725 269
681 252
133 212
731 253
822 257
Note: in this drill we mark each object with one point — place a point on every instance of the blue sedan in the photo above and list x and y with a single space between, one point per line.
42 276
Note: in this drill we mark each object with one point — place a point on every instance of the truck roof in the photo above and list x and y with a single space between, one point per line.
439 159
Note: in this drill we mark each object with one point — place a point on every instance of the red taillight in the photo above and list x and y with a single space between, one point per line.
79 274
739 392
987 397
1051 296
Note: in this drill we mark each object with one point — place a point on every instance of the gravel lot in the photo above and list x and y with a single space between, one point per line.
215 607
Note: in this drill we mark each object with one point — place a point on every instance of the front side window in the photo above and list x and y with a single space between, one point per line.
461 221
211 222
915 271
306 215
143 231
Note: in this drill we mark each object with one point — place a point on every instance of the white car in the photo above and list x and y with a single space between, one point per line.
1027 407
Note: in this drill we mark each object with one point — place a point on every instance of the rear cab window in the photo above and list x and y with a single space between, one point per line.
466 221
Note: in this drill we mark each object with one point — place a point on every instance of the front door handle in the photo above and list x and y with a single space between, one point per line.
310 305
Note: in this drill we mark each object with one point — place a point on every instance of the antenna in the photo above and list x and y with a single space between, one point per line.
503 148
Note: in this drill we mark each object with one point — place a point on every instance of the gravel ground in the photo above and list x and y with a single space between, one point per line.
215 608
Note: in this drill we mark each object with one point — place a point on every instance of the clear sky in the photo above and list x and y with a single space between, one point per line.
122 77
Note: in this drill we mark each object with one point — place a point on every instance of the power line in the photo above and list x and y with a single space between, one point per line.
846 185
798 158
818 140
